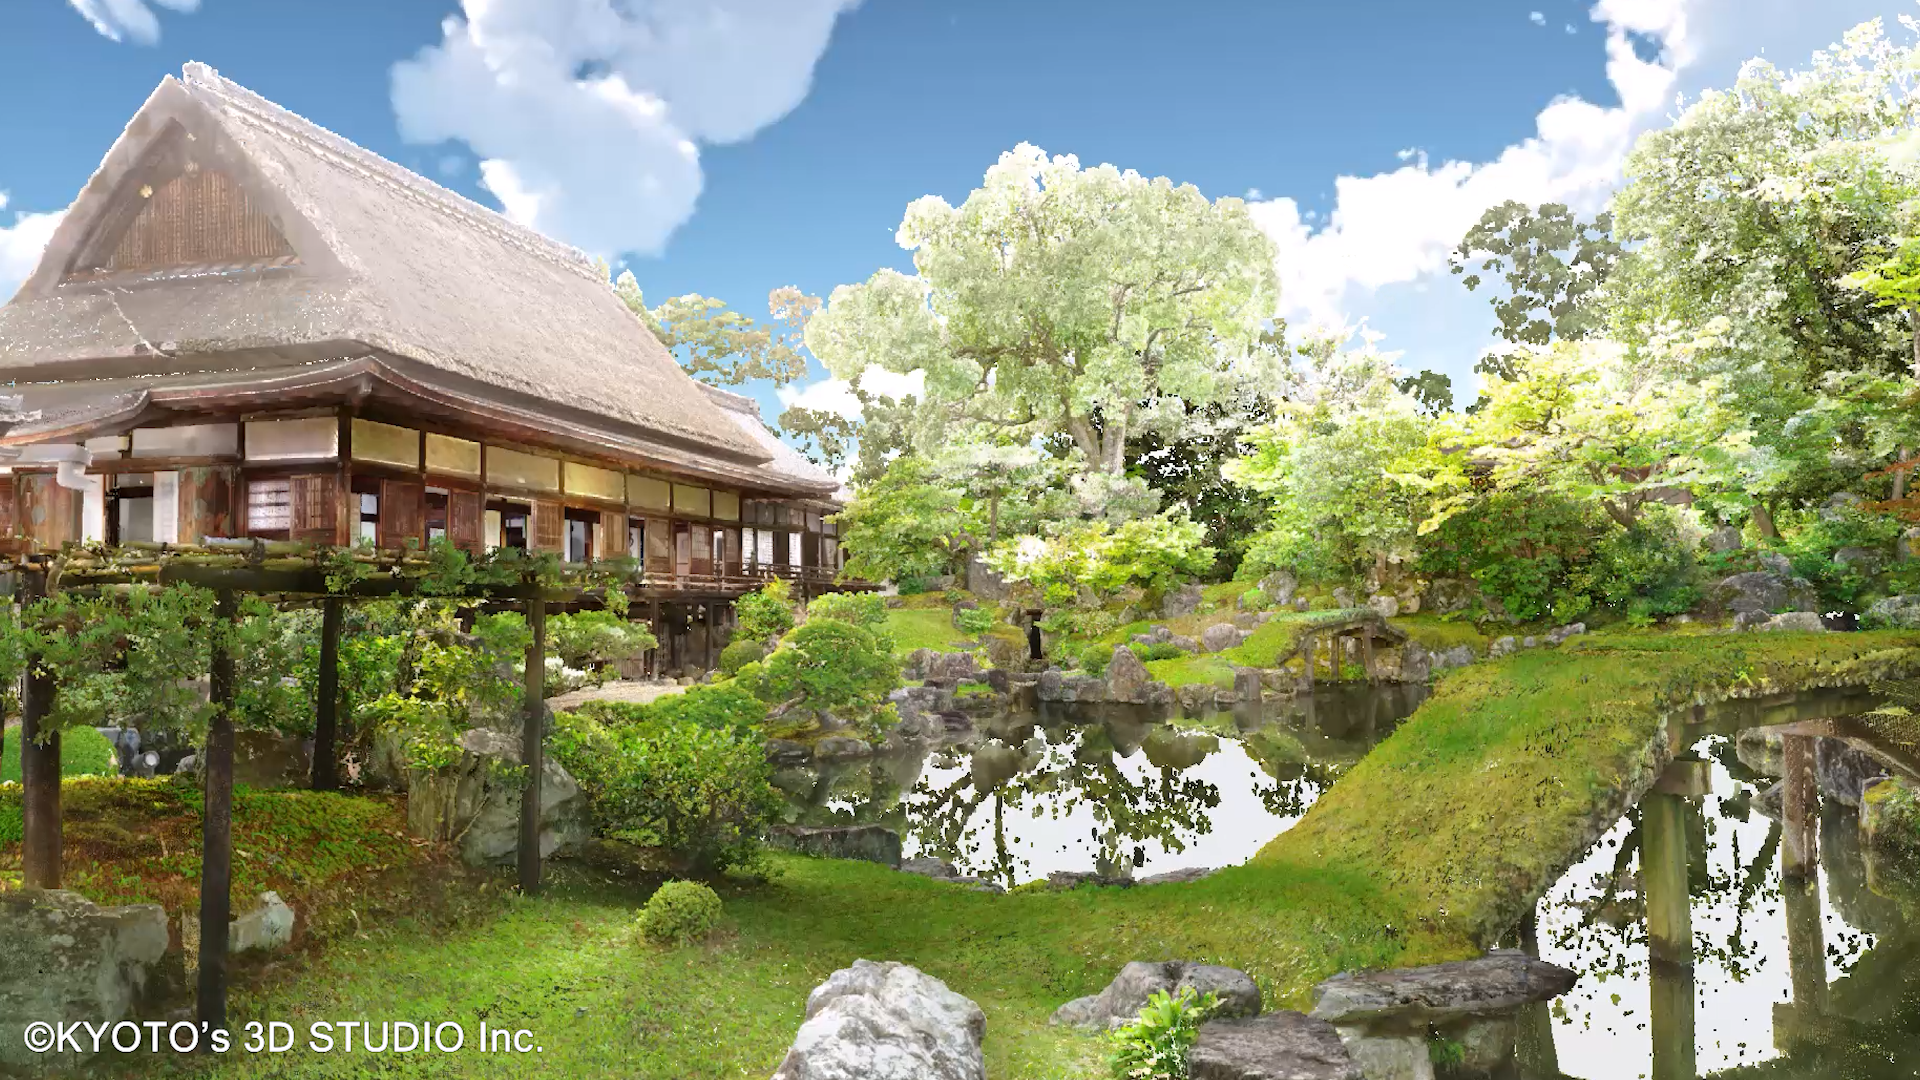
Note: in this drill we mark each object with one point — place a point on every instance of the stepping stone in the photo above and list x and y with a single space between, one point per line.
1276 1046
1503 979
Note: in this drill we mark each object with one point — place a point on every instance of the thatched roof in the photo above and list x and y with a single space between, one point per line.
385 264
788 464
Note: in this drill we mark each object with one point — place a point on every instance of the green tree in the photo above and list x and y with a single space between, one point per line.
906 524
1088 304
1552 264
724 347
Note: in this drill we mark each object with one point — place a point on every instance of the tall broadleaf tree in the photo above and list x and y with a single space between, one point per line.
1085 304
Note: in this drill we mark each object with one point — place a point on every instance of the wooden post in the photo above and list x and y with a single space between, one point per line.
40 854
325 722
1806 944
216 825
1309 652
1671 1020
1366 653
1799 833
1663 873
533 746
659 637
706 640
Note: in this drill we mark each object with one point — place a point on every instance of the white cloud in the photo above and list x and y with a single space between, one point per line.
1398 226
21 244
836 395
123 19
1537 18
588 115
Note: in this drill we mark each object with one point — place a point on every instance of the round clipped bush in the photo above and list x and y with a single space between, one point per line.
680 913
740 653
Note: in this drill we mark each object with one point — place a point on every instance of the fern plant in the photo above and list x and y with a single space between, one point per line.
1155 1045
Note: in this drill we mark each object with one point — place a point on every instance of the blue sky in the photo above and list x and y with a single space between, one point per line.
731 146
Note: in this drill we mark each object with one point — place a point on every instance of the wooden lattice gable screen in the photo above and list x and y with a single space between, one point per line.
179 211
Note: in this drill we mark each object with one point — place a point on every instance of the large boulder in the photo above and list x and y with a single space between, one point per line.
1220 637
1450 596
1893 613
1129 681
1560 634
1845 773
1805 622
1763 591
951 667
1387 605
267 926
886 1021
1279 587
1724 539
1282 1045
1503 979
1121 1001
867 843
1184 600
63 958
476 801
985 582
919 708
1864 561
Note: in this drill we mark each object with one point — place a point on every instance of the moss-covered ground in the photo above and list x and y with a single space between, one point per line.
1271 643
924 628
1416 855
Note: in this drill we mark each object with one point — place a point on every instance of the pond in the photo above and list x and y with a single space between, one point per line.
1040 789
1792 977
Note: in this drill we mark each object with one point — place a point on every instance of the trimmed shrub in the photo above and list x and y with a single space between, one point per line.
831 666
83 752
588 639
1095 659
974 621
860 609
739 654
1254 599
700 795
725 707
765 613
680 913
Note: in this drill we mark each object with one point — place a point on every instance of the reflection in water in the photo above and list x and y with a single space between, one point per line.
1112 789
1781 984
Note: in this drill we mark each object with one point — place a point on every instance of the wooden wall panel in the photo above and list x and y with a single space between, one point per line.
206 503
464 518
49 513
549 527
9 517
316 509
403 513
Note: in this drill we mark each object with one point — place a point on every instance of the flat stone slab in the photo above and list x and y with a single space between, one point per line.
1503 979
1277 1046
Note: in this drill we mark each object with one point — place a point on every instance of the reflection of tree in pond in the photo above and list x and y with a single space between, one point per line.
1056 778
850 793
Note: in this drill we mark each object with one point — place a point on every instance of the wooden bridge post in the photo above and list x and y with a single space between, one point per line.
1366 652
1663 873
216 823
1806 943
40 842
1308 654
1800 809
533 745
325 774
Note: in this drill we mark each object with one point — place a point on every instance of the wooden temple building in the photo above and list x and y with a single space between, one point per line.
247 326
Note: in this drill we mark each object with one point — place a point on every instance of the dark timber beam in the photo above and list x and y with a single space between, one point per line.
216 827
327 697
40 854
1800 808
533 747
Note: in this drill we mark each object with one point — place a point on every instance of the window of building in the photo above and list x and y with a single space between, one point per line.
130 505
580 525
269 508
636 538
507 525
793 549
436 514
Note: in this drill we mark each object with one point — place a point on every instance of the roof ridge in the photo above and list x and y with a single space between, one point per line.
730 399
377 168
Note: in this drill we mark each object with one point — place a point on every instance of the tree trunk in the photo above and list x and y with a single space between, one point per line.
533 746
1900 477
1763 521
216 825
1626 515
40 854
993 518
327 704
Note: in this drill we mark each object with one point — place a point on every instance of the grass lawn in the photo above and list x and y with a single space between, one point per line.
1270 643
924 628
